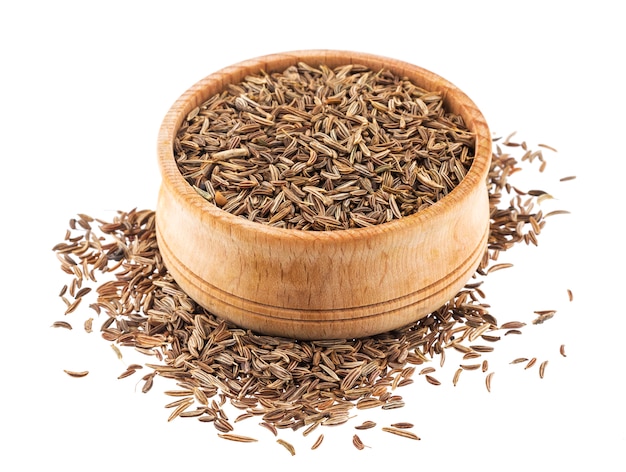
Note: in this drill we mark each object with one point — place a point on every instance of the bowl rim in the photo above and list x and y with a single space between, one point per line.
191 98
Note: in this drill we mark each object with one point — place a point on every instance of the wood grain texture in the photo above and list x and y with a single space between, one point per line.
322 284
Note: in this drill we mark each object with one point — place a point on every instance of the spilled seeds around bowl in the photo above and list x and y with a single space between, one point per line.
285 384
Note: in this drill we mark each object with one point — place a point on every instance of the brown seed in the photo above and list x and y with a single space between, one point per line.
368 402
570 295
365 425
149 381
547 147
457 374
220 199
401 432
519 360
556 212
544 315
562 350
287 446
513 325
117 351
61 324
530 363
317 442
236 437
145 309
72 306
356 440
126 373
542 368
88 325
569 177
222 425
432 380
82 292
272 429
73 373
184 404
243 416
488 381
497 267
402 425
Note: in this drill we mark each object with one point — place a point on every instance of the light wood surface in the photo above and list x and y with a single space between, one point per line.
330 284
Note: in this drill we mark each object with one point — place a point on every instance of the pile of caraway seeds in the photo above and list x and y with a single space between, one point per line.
288 384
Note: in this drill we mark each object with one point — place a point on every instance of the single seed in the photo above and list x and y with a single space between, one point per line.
402 425
401 432
126 373
73 373
488 381
569 177
519 360
542 368
117 351
287 446
236 437
530 363
562 350
513 325
366 425
356 440
457 374
317 442
432 380
61 324
272 429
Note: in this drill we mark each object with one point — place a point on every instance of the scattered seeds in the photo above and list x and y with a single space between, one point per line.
285 383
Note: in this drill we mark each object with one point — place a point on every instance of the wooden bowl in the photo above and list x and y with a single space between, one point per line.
322 284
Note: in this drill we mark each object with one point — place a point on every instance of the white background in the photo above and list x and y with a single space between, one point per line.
83 89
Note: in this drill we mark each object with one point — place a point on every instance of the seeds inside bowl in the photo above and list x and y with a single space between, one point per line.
323 149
